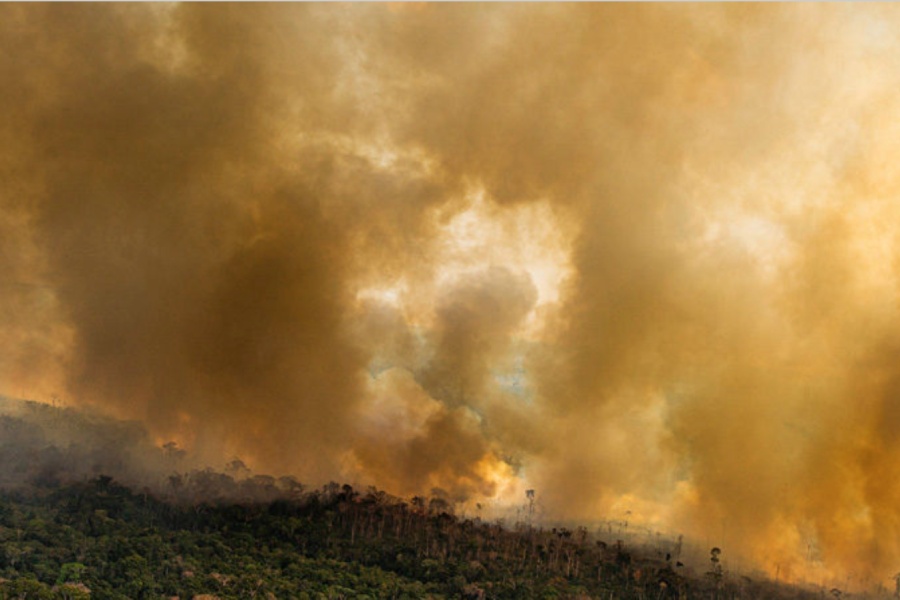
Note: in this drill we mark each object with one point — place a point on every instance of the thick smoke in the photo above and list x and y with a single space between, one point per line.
638 258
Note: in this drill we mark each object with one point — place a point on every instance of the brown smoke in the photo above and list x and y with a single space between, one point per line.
640 258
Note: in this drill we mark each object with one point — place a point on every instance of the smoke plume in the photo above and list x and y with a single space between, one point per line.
639 258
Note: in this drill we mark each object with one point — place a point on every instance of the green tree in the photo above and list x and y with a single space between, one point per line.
25 588
71 573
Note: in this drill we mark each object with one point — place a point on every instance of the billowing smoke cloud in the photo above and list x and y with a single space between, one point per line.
638 258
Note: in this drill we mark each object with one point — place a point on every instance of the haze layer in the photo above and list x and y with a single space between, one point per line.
639 258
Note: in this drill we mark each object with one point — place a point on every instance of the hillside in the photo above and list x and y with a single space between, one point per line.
90 508
100 539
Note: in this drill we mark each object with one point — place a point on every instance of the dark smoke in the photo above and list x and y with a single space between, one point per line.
638 258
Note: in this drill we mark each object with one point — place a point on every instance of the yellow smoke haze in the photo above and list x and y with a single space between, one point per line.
640 258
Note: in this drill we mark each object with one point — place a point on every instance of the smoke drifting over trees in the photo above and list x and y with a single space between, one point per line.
639 258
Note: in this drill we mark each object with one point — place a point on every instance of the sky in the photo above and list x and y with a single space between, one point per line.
640 258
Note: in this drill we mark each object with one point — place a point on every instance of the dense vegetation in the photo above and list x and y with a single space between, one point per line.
141 532
100 539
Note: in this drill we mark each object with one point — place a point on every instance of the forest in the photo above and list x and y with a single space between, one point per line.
101 539
89 508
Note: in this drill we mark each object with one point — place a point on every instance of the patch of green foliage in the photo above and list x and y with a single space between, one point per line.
104 541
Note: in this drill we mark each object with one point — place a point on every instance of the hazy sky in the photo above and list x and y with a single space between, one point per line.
636 257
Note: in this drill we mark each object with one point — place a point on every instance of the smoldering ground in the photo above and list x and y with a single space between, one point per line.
638 258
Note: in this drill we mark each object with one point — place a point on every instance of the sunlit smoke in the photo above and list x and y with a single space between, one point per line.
639 258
